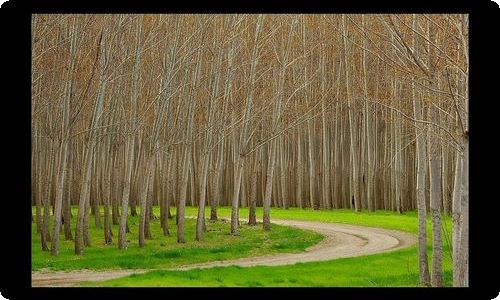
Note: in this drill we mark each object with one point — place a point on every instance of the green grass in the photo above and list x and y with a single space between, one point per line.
396 268
381 218
165 252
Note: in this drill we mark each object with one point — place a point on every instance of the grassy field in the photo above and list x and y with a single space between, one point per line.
387 269
165 252
397 268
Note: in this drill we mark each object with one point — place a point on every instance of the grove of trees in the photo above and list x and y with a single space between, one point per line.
363 112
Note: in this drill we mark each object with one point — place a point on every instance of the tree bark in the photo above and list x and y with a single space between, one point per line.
353 151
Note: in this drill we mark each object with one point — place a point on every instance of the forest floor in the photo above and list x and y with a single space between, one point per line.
341 241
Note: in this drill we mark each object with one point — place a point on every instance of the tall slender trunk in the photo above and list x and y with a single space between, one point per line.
96 195
45 235
299 191
200 221
39 183
461 269
130 142
64 141
84 197
115 216
463 252
420 191
283 174
275 126
420 186
206 149
182 195
435 205
129 155
67 200
398 154
267 195
337 158
312 173
187 159
107 194
63 158
252 220
217 183
166 199
368 129
239 159
217 179
82 227
236 194
457 219
325 141
143 199
435 170
352 130
149 202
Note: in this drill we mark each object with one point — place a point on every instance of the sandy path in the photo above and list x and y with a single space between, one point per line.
341 240
71 278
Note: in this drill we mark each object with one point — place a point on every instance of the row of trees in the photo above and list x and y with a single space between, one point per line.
311 111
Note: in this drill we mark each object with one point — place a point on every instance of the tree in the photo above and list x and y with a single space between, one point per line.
420 185
320 111
242 141
130 139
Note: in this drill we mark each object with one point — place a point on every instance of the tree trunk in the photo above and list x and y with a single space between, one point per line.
368 128
352 133
435 205
252 220
182 196
457 219
143 198
130 142
84 197
63 158
267 195
420 186
463 252
67 200
239 160
421 203
106 199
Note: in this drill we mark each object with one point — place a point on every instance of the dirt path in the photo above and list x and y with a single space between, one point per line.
72 278
341 240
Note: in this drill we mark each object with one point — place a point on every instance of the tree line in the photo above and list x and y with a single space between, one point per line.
363 112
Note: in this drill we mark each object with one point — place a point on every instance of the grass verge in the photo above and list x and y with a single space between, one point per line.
165 252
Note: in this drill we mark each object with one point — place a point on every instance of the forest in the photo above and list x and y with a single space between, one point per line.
163 125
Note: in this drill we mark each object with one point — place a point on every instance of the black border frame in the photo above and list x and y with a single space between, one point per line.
15 18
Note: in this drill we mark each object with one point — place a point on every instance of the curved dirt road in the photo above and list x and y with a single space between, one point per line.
341 240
